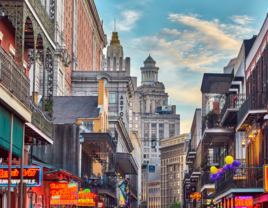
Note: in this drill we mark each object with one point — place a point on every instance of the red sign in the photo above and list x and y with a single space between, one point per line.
86 198
241 202
64 193
32 175
265 179
37 205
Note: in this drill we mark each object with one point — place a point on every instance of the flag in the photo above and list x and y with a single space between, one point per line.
123 187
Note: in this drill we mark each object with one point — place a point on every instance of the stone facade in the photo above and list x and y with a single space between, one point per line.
172 169
152 123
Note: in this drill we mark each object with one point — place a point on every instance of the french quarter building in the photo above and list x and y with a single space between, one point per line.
172 169
79 42
150 113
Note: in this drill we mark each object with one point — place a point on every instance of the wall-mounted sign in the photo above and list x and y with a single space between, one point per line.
86 198
122 109
242 202
37 205
32 175
196 196
63 193
265 179
151 168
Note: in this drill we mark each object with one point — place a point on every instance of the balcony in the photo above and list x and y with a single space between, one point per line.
41 120
195 172
243 178
13 79
230 109
206 183
191 154
210 160
254 108
46 19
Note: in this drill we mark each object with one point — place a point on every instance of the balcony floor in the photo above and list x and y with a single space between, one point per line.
230 117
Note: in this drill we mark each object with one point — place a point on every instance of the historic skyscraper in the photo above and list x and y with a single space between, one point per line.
150 113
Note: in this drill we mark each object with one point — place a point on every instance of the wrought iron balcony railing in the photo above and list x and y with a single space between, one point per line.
46 19
209 160
205 178
242 178
105 183
41 120
133 190
233 101
253 102
13 78
210 121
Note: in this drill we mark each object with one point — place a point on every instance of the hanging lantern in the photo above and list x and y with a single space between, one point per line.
243 143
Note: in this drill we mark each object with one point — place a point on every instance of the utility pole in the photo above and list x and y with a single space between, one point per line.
9 165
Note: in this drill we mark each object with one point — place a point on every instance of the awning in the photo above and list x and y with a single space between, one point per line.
32 131
126 162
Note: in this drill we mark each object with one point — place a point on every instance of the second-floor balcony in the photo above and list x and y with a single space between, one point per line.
13 79
253 109
229 111
210 160
191 154
206 183
243 179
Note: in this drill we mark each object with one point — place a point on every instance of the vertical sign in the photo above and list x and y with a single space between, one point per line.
265 179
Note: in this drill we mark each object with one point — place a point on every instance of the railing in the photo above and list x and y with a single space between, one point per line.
44 16
13 78
41 121
192 148
205 178
133 190
105 183
233 101
253 102
210 121
242 178
210 159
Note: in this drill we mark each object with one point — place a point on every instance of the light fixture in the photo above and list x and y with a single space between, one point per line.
30 192
243 143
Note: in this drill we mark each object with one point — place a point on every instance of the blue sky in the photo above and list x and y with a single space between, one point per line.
186 38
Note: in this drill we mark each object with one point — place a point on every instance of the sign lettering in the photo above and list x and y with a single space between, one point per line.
63 193
242 202
86 198
32 176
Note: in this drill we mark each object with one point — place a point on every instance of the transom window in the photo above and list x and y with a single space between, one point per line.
89 125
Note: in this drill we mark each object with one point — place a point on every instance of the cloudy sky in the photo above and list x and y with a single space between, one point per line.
186 38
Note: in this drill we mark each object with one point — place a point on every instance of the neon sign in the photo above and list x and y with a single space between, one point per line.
195 196
241 202
265 179
32 175
63 193
86 198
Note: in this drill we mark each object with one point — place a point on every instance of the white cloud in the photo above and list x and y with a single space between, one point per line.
168 33
242 19
128 20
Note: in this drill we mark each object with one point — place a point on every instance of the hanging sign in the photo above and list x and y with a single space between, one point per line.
63 193
87 198
32 176
265 179
242 202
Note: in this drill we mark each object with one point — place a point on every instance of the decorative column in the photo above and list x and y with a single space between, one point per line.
157 130
147 110
153 106
44 78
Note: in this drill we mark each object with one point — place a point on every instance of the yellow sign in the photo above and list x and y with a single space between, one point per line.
196 196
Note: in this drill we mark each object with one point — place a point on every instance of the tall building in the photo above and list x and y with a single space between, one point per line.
79 42
172 169
150 113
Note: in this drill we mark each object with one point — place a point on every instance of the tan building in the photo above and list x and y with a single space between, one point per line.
154 194
172 169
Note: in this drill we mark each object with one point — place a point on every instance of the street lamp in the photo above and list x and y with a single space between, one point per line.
30 193
211 204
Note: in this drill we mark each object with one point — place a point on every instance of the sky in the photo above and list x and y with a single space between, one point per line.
186 38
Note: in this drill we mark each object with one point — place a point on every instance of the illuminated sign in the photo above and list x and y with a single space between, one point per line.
86 198
242 202
265 179
196 196
63 193
32 175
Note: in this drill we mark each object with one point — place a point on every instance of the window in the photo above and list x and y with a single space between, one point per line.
174 184
144 156
94 94
136 118
171 125
89 125
178 175
178 183
130 118
130 112
170 176
130 125
178 191
170 184
130 104
161 125
170 168
136 125
174 192
112 98
153 124
161 131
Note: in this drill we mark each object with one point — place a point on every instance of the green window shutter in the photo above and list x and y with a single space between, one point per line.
5 125
5 130
17 136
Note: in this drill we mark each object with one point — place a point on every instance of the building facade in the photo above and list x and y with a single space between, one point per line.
172 169
150 113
